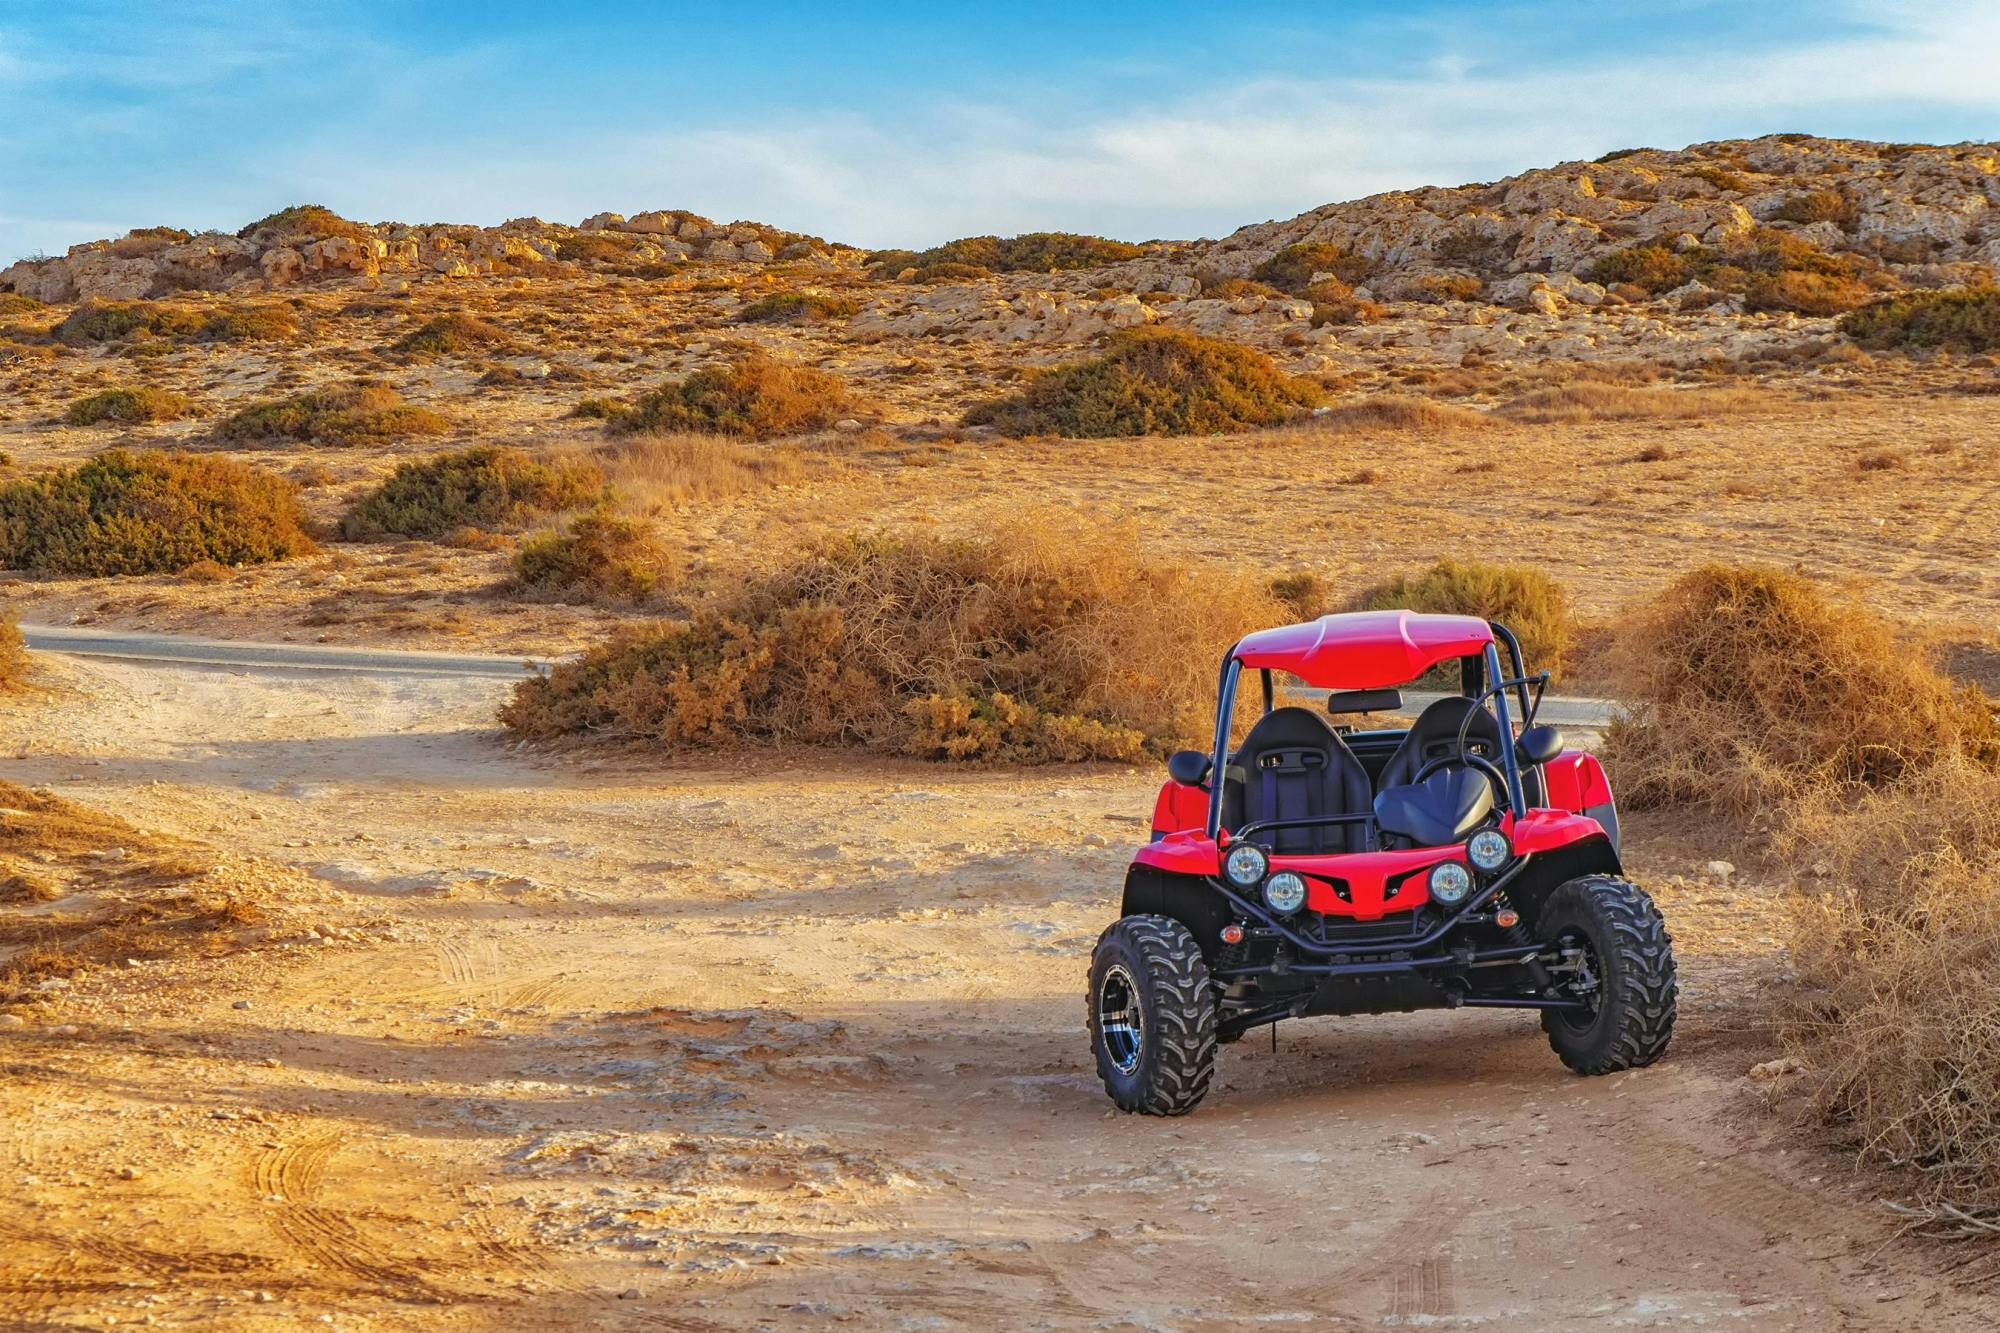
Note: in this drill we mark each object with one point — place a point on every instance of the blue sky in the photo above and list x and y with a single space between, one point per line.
887 124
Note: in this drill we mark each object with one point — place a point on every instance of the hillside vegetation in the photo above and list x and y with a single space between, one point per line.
143 513
1029 646
1152 382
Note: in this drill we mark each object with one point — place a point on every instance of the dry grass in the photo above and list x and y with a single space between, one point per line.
1571 403
488 486
85 889
1152 382
1751 690
1056 641
1897 1016
144 513
656 472
1391 411
1527 601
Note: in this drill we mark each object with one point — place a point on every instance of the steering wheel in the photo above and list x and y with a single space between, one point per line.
1466 759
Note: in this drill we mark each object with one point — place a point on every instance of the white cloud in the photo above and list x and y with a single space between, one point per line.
1185 162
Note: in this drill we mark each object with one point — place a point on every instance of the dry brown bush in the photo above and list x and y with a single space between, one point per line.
13 653
1751 690
1611 402
1050 642
756 397
1896 1019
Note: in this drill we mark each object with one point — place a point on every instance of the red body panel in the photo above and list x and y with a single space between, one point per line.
1364 650
1576 781
1369 875
1180 807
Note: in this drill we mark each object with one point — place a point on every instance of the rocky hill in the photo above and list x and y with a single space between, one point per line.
309 244
1924 212
1720 250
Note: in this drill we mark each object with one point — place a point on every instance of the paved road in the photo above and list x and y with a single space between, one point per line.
138 645
1580 712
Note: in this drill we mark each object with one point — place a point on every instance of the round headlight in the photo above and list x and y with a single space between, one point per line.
1450 882
1285 892
1245 865
1488 849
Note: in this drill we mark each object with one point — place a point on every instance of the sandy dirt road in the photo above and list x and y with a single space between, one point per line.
797 1042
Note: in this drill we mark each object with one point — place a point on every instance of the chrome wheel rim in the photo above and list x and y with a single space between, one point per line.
1120 1023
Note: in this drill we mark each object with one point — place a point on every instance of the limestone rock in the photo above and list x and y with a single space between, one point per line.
282 266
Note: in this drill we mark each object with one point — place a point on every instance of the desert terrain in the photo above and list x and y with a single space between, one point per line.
514 1033
795 1041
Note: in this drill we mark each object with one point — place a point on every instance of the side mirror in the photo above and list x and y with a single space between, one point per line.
1538 745
1189 767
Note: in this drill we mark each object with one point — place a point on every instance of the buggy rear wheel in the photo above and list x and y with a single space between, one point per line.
1616 957
1152 1016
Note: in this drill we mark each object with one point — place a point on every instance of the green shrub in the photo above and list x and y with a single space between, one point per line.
1441 287
1228 289
1964 319
143 513
596 247
596 557
1292 268
1334 302
302 222
110 321
451 335
129 406
1152 382
340 414
1055 643
1032 252
798 308
1720 177
487 486
755 398
269 323
949 272
1819 206
12 303
1522 598
1773 270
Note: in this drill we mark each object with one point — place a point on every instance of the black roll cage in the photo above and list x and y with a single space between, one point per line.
1475 689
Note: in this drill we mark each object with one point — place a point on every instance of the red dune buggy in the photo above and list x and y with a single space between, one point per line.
1470 860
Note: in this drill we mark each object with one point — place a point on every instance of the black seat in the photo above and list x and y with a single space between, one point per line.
1293 765
1434 735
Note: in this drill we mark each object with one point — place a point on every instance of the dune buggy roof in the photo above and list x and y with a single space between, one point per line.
1364 650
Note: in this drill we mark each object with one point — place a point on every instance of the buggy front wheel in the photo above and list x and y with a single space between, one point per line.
1152 1016
1615 958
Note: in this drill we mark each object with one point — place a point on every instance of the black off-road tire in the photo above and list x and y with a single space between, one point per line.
1634 962
1165 1068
